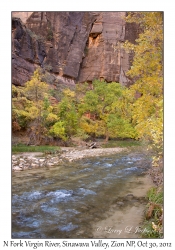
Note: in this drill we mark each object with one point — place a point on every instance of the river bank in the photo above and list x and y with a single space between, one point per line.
22 161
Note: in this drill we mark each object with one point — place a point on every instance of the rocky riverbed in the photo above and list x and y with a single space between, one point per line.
24 161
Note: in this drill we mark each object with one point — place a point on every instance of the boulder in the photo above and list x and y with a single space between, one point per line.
17 168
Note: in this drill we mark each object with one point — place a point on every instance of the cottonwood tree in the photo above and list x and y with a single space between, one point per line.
103 111
147 73
35 90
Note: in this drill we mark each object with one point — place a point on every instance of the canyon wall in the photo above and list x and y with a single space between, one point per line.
71 46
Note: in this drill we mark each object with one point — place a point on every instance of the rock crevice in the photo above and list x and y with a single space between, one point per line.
81 46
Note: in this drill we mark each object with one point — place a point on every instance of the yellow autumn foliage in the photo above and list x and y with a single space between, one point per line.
147 73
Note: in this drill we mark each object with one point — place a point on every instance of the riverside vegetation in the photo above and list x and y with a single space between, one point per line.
104 110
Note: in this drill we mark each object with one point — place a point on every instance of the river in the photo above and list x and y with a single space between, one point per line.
90 198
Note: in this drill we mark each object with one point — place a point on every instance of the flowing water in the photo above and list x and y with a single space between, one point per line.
64 201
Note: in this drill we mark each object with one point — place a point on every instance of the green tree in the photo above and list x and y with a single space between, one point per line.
20 117
103 111
35 89
68 113
31 109
58 130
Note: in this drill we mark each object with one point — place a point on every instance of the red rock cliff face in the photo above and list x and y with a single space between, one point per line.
72 46
105 58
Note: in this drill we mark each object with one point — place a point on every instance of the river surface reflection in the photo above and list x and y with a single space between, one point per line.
63 201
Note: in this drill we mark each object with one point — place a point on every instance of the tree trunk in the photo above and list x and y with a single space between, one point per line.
107 137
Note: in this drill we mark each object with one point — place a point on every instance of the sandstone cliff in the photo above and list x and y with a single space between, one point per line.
71 46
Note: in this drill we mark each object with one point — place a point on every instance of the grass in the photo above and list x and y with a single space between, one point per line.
19 148
24 148
149 232
118 143
154 214
155 195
